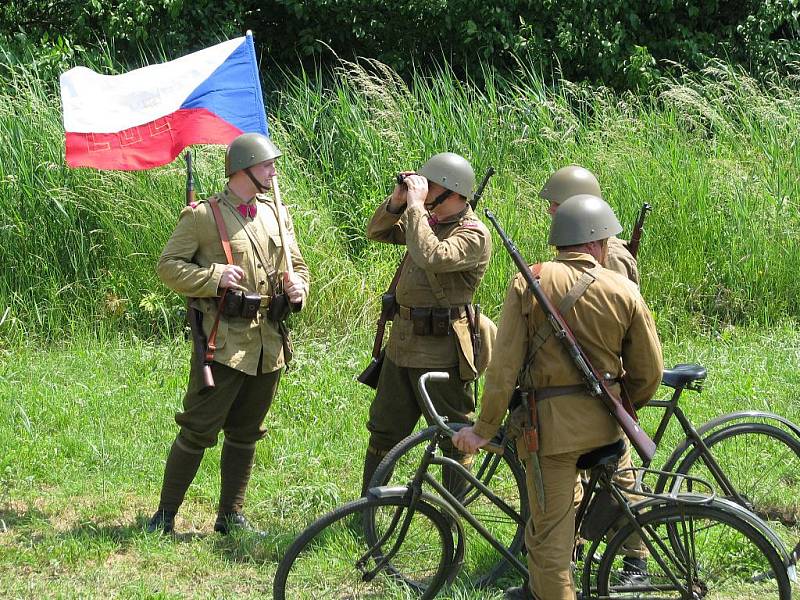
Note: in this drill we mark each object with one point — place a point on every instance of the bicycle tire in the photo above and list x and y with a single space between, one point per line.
314 564
767 477
482 563
723 551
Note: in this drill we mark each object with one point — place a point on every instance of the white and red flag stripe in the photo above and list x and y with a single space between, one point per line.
144 118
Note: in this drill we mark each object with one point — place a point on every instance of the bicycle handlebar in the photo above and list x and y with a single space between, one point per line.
439 420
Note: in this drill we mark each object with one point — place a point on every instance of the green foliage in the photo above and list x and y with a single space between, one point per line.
715 153
616 42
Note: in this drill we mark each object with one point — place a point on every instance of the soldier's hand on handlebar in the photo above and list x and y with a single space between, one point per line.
468 441
231 276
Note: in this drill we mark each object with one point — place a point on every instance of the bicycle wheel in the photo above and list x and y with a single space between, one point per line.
711 554
762 462
330 557
504 475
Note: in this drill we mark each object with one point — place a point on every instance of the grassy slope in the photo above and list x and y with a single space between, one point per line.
84 431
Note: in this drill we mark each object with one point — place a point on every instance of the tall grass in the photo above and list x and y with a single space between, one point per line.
713 152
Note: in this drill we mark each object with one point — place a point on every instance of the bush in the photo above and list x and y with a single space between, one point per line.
616 42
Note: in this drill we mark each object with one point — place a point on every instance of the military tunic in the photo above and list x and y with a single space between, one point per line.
620 260
615 328
193 261
192 264
457 252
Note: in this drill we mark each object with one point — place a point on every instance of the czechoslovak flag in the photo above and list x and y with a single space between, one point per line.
144 118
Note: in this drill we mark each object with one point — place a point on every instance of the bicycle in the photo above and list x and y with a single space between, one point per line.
413 543
767 436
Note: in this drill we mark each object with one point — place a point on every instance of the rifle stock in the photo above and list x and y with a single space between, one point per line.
636 234
194 316
596 384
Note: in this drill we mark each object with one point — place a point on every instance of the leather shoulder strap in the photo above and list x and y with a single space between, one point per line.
223 233
567 302
226 246
436 288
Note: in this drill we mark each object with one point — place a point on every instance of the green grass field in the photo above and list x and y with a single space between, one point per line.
84 430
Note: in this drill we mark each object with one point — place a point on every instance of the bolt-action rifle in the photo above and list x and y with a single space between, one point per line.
194 316
636 235
596 384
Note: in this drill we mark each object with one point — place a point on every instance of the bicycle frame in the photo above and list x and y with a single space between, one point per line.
693 438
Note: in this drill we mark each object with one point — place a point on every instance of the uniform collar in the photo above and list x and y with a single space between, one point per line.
573 257
231 198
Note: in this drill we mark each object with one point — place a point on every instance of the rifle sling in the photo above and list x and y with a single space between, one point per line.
226 247
378 343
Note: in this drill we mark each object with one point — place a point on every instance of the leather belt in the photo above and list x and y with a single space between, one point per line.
563 390
456 312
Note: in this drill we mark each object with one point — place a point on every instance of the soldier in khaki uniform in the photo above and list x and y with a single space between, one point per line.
567 182
249 351
448 252
614 326
571 181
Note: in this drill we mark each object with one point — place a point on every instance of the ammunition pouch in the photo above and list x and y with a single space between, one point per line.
421 321
279 308
239 303
440 322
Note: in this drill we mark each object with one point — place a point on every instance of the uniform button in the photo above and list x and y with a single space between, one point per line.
259 266
262 282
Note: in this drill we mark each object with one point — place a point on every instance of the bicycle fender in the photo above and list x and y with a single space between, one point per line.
705 428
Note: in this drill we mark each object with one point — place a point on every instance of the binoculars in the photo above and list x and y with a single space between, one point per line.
400 178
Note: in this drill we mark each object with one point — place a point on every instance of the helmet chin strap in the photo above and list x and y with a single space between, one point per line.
259 186
437 201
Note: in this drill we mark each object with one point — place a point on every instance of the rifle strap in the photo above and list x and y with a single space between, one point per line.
381 330
567 302
226 247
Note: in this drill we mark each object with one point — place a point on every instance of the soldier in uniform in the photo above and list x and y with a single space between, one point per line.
567 182
249 351
614 326
571 181
448 252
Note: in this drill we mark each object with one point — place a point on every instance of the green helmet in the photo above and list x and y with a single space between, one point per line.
570 181
451 171
247 150
581 219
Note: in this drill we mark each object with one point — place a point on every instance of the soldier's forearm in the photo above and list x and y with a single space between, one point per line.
189 279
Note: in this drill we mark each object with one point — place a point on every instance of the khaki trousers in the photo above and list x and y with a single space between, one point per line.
237 405
633 546
550 533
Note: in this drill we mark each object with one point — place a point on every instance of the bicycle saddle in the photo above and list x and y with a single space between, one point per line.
681 375
604 455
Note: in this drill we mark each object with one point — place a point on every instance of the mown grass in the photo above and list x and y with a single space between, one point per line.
714 153
84 431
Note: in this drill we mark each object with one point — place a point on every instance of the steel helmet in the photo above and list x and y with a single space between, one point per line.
581 219
451 171
570 181
247 150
